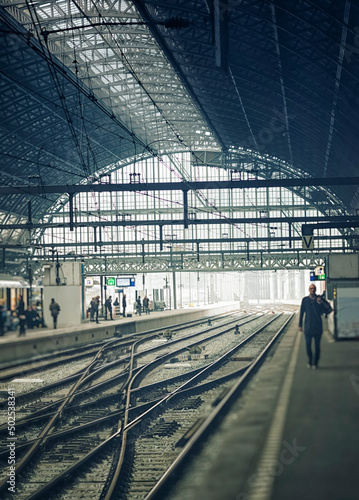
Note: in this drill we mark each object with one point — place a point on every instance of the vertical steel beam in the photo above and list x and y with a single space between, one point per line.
71 211
185 208
174 290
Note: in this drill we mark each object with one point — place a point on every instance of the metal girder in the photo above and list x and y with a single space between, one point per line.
322 222
285 260
180 186
189 241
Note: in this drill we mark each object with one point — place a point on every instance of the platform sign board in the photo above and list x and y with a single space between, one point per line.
110 282
308 242
316 277
319 271
88 281
125 281
318 274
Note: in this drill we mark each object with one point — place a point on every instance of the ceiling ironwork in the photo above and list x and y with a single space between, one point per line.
88 86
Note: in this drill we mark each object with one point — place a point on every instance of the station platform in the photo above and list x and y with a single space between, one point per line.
40 341
293 434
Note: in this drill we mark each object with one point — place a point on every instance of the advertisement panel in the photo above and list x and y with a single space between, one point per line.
347 314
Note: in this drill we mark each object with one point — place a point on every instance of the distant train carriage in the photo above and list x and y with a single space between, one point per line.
11 287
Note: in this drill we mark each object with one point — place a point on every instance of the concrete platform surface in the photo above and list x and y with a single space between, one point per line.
323 419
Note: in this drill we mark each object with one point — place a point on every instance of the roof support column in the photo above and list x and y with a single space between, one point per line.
71 211
161 238
185 208
29 215
174 290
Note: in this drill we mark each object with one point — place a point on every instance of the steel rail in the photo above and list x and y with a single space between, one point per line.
39 414
211 420
128 426
49 427
130 381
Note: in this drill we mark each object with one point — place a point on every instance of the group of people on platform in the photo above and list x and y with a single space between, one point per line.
140 306
26 318
95 305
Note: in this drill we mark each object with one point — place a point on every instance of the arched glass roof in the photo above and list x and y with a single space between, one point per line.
88 85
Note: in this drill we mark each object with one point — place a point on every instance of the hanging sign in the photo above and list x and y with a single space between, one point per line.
308 242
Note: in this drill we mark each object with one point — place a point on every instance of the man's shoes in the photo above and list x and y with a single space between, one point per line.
309 365
314 367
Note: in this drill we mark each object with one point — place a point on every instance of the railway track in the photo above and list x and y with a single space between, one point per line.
101 391
113 413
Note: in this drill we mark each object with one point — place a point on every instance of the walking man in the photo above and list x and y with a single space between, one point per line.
55 309
313 306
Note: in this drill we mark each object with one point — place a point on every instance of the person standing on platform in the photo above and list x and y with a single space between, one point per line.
96 305
313 306
55 309
124 304
146 304
21 315
139 305
21 306
2 319
92 309
108 304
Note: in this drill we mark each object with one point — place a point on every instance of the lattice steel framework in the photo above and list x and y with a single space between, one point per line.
258 86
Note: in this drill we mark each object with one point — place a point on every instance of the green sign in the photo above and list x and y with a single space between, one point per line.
110 282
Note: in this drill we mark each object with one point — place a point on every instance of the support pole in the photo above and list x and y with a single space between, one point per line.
185 208
174 290
71 209
29 214
161 238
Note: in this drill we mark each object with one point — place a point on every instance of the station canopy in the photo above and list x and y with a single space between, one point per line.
260 89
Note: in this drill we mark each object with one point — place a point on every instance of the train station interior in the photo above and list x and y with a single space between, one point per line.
203 156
